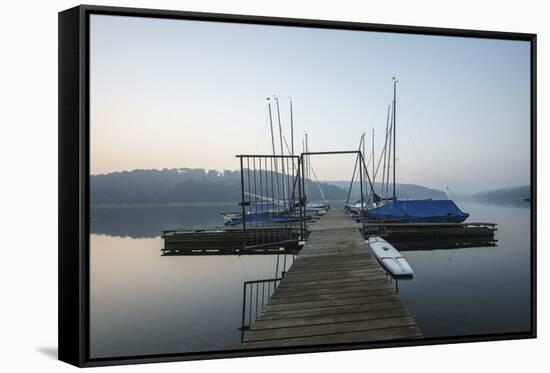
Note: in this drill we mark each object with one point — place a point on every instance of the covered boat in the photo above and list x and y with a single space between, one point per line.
417 211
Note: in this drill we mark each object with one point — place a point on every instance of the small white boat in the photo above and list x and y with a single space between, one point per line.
389 257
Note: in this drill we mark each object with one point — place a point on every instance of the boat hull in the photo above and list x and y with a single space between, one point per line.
390 258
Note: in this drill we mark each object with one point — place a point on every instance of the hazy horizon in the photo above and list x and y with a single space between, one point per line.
169 92
320 180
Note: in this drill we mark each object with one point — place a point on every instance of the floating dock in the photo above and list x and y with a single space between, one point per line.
268 240
334 292
273 239
399 232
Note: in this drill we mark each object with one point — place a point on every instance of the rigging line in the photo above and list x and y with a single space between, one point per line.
318 184
294 171
355 168
380 159
352 178
288 150
367 174
282 151
261 135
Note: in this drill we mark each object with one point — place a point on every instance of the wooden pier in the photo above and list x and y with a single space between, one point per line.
335 292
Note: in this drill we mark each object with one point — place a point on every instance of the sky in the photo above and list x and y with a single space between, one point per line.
176 93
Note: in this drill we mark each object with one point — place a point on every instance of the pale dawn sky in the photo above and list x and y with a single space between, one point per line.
175 93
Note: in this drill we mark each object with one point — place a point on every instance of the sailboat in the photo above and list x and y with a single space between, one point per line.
259 209
396 210
263 209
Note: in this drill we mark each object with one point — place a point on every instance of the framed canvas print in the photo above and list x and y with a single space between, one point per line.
235 185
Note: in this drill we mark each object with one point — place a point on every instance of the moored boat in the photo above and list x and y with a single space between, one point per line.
389 257
416 211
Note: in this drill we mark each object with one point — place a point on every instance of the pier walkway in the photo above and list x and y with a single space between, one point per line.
335 292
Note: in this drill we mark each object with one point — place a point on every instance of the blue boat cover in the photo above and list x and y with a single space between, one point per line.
418 211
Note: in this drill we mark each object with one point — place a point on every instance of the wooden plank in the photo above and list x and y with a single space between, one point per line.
333 274
330 318
332 296
335 292
334 281
328 329
363 307
353 337
291 292
330 303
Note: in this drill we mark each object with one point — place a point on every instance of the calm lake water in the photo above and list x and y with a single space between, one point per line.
143 303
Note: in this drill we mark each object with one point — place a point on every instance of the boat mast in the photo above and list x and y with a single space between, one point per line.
394 130
389 156
364 137
280 127
271 125
385 151
373 172
282 150
291 129
274 156
307 170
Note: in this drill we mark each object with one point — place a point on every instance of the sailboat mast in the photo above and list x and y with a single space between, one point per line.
280 127
283 176
373 173
394 130
389 156
307 170
365 146
291 130
271 125
385 152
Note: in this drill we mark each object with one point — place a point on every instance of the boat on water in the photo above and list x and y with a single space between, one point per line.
390 209
255 208
271 211
317 206
416 211
389 257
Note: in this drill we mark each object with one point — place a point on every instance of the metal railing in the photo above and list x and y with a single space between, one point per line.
273 195
271 200
256 294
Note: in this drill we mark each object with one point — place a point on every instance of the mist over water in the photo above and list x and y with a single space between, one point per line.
143 303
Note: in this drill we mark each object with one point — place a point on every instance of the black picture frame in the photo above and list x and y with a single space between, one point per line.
74 181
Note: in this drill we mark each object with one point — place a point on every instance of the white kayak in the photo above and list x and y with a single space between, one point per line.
389 257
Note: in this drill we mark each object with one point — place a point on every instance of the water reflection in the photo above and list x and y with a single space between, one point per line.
147 221
451 246
508 202
143 303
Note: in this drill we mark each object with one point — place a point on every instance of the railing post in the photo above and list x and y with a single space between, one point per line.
303 199
242 201
244 308
300 183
